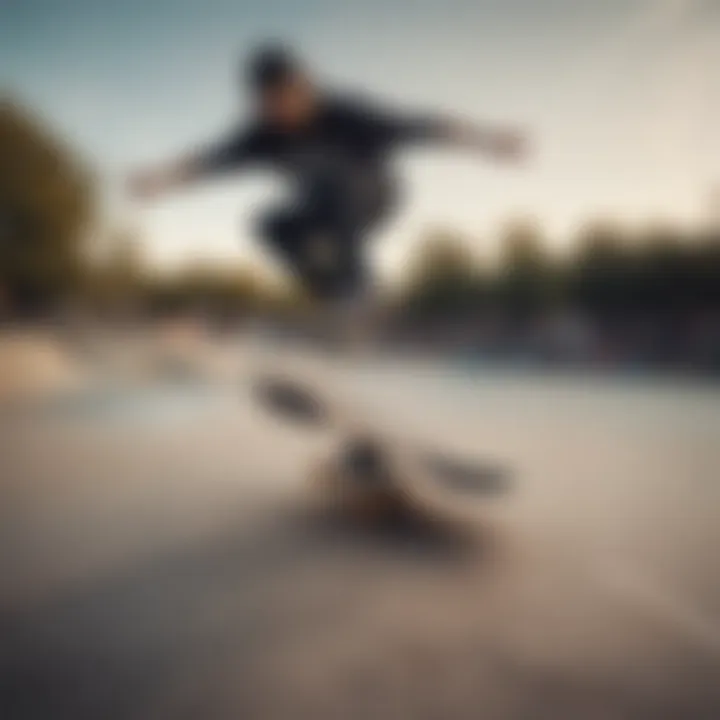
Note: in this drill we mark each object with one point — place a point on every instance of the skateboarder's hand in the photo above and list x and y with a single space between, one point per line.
507 145
146 185
503 144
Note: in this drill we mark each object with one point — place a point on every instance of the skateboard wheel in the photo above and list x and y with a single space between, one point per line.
364 462
350 485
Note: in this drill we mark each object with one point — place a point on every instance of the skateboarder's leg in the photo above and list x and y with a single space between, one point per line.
326 256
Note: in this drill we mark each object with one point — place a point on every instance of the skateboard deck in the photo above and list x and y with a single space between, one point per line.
371 473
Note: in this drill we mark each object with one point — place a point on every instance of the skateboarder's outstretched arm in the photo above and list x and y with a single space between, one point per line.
502 143
232 153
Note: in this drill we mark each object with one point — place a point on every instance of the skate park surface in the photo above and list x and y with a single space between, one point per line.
159 558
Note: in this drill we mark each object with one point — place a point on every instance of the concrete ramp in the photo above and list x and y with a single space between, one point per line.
34 364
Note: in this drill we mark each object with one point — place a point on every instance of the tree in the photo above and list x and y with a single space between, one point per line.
224 292
444 278
45 205
116 278
524 286
602 274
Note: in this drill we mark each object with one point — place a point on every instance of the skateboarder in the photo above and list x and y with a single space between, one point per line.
335 150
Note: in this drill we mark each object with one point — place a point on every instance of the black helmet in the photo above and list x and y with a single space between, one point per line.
269 67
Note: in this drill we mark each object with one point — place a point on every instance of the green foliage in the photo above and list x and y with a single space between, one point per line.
611 278
601 272
524 284
443 278
222 292
45 204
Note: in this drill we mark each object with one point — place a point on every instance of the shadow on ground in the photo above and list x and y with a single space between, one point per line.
213 629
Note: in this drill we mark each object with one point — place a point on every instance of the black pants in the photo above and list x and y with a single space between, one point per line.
322 241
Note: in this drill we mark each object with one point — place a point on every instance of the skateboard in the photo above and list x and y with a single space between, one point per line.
375 475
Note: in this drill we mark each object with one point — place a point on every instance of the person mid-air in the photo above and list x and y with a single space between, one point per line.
336 151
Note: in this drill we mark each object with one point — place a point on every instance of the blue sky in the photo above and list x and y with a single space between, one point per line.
622 98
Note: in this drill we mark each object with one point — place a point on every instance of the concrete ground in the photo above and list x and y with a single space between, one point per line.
160 558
